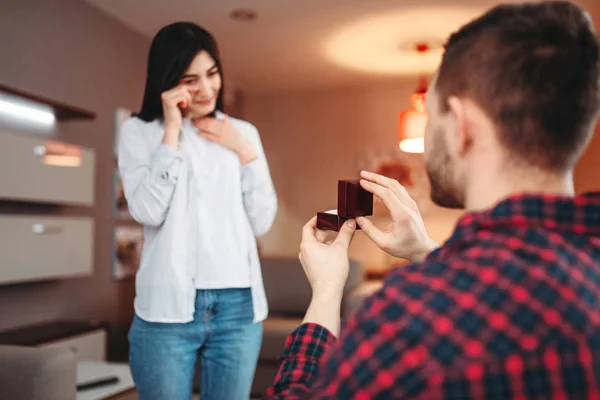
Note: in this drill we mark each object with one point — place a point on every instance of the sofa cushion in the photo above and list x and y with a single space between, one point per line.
277 328
263 378
29 373
275 332
287 288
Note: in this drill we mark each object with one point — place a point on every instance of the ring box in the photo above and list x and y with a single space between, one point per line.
352 201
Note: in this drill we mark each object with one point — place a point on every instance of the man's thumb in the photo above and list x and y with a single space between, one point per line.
346 233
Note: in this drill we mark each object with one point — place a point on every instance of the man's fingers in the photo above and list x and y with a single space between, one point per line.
346 233
391 184
376 178
390 200
321 236
308 231
373 232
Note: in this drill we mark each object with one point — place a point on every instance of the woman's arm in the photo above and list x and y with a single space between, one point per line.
149 176
260 199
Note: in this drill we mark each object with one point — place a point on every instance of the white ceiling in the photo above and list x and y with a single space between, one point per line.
307 44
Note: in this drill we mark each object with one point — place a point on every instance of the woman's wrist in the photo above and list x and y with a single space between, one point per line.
246 152
171 138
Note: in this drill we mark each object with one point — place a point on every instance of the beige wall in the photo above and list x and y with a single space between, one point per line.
587 176
68 51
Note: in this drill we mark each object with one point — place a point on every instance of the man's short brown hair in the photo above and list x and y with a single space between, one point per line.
533 68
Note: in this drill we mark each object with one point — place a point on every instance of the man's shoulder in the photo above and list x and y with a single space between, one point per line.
439 263
454 278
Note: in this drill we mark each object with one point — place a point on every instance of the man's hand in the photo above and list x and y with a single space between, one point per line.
326 265
405 236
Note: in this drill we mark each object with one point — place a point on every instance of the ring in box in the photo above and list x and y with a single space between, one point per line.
352 201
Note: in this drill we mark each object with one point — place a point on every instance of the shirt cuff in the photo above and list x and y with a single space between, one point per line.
250 173
166 163
308 341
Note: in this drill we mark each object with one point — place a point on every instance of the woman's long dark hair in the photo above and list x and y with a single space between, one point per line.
171 53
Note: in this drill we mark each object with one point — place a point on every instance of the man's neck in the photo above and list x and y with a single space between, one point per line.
486 191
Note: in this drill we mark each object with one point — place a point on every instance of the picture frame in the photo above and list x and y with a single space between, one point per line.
122 114
127 251
120 206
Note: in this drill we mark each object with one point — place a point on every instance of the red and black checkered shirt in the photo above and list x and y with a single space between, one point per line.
508 308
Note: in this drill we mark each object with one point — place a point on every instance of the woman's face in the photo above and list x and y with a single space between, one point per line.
203 80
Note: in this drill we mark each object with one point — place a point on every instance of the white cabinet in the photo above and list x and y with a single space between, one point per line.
43 247
38 170
90 346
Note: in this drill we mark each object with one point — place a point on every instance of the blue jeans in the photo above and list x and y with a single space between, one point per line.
222 338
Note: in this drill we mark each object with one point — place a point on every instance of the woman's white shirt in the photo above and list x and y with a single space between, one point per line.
201 211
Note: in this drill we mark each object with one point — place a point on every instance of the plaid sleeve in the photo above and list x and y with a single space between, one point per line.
383 351
380 354
298 366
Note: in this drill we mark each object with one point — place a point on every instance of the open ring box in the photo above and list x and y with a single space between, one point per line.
352 201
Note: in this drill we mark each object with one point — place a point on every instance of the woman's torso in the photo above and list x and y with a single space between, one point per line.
218 226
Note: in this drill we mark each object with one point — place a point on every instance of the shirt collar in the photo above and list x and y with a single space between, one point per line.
187 124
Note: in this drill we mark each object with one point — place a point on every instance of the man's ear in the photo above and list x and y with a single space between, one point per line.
463 137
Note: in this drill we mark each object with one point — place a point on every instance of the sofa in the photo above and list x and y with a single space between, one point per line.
289 294
32 373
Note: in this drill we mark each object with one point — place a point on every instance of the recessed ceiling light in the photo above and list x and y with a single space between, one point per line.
243 15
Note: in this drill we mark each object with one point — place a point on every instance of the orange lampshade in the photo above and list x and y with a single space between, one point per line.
411 125
412 121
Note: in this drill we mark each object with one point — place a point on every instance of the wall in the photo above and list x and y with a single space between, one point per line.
586 173
70 52
314 138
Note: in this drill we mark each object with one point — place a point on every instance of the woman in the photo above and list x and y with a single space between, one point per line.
199 183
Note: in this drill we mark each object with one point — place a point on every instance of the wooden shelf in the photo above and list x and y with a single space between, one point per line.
62 112
33 335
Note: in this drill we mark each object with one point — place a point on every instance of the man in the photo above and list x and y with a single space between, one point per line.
509 306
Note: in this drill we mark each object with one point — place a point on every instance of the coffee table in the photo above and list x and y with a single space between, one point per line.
88 371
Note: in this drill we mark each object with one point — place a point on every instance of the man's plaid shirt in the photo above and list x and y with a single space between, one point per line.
506 309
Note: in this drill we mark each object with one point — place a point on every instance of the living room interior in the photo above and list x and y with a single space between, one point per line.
333 88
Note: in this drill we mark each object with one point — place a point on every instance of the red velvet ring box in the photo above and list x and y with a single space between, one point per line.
352 201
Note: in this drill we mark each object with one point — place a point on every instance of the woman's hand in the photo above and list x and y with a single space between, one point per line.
174 101
223 133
